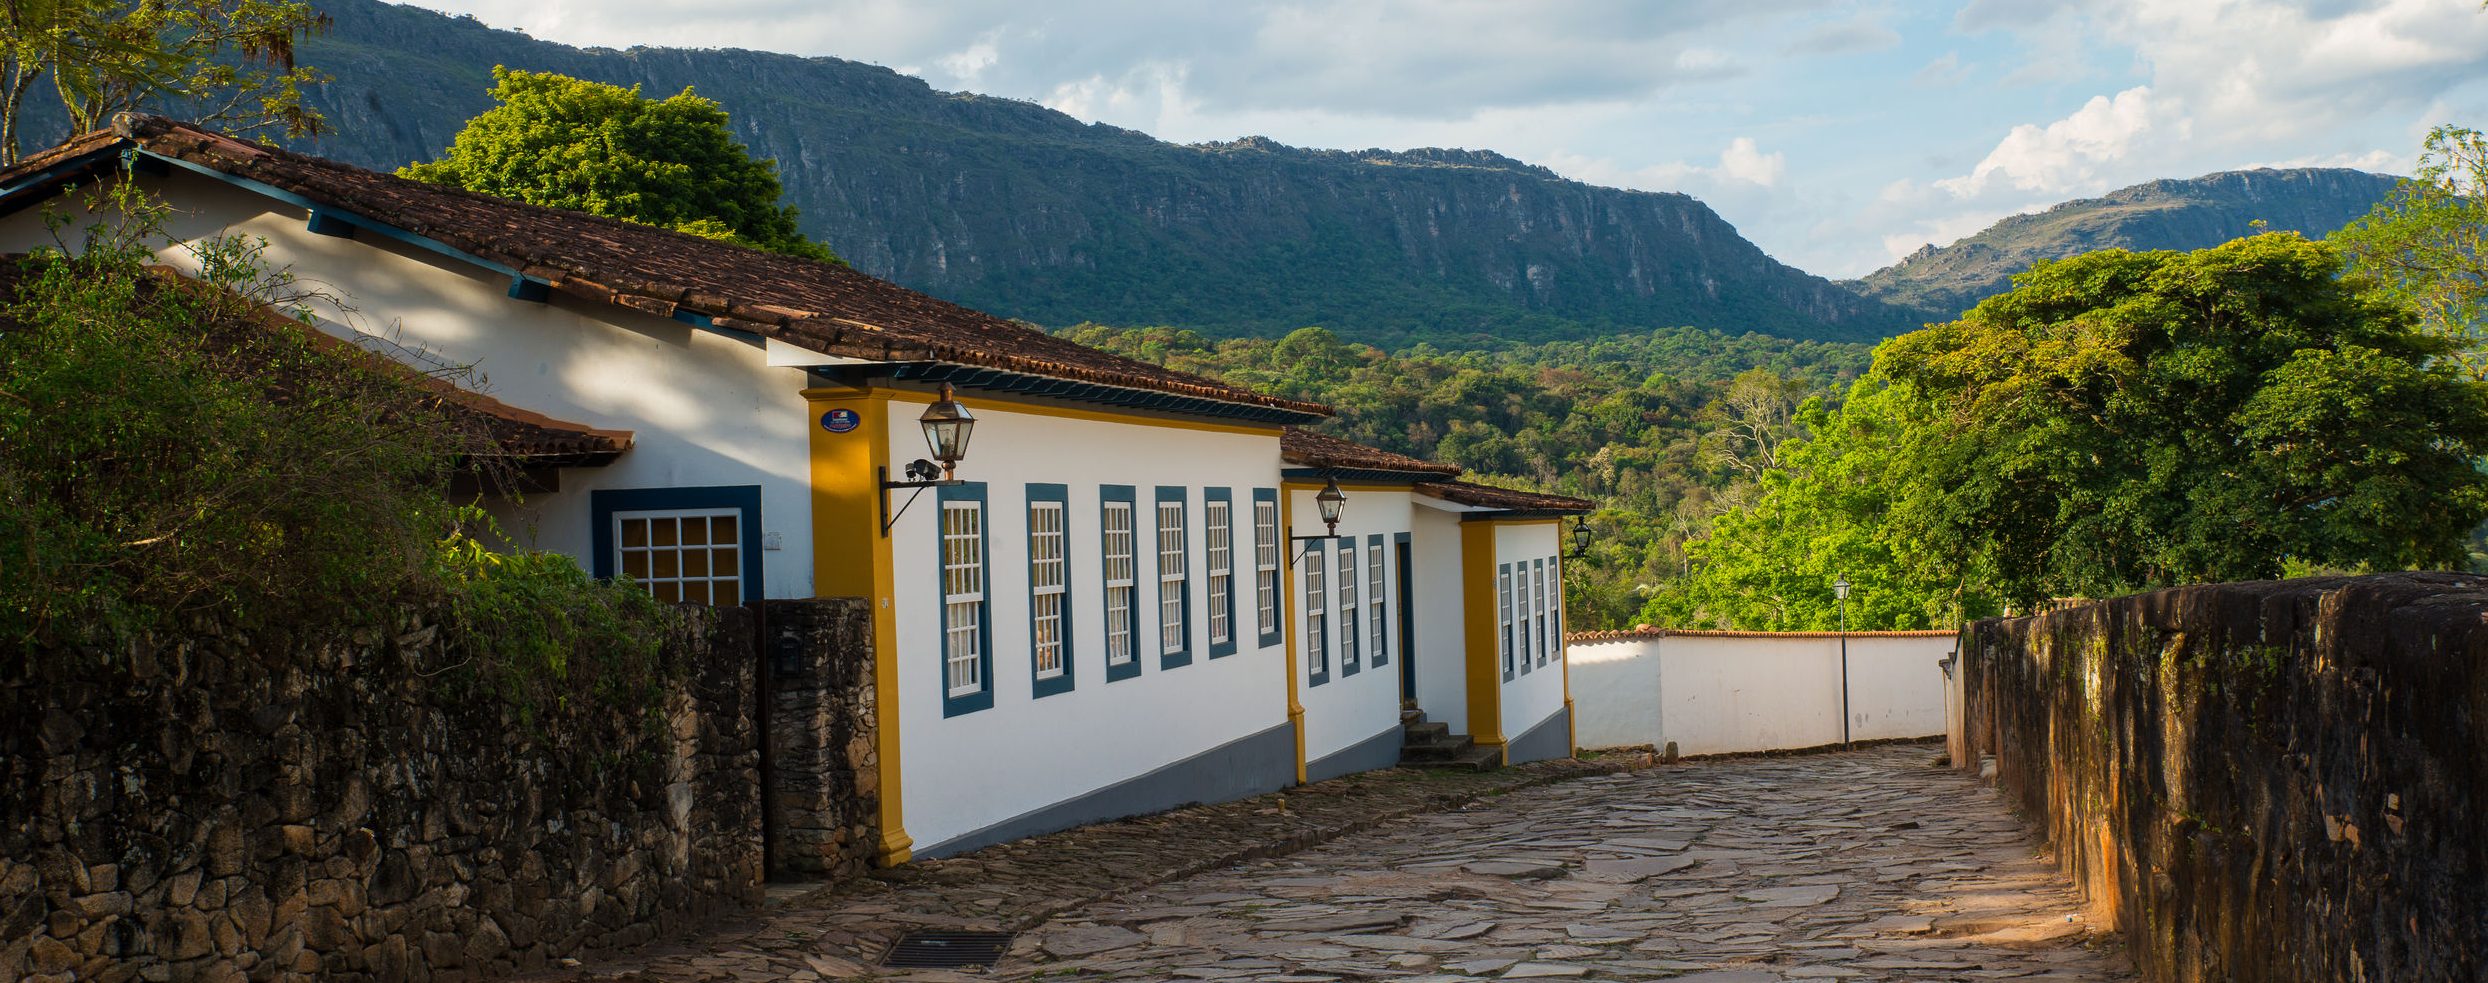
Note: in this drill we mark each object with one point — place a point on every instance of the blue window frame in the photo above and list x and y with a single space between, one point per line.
697 542
1174 541
1118 534
1269 568
1377 602
1537 601
1503 603
1049 589
1400 594
1521 649
1218 568
963 579
1348 623
1316 616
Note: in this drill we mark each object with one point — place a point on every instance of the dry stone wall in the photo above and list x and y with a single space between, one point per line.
234 806
2274 781
823 759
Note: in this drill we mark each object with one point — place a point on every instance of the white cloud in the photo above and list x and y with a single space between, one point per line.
969 63
2070 154
1741 164
1742 161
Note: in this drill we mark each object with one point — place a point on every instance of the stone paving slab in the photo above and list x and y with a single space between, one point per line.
840 930
1864 865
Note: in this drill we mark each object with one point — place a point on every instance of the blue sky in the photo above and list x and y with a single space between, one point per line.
1837 135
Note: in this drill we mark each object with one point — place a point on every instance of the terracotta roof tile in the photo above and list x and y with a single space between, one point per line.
1306 448
823 307
1490 497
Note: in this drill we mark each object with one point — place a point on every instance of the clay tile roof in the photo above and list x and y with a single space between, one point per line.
1490 497
1305 448
823 307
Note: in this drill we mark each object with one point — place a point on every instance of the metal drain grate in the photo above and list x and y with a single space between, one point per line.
948 950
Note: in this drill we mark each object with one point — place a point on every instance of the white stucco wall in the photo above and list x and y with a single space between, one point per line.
1718 694
704 408
1441 643
1349 709
1531 697
967 772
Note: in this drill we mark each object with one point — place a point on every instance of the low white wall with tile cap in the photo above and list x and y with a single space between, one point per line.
1735 692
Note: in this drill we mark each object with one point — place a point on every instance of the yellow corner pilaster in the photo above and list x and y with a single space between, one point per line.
1479 626
851 558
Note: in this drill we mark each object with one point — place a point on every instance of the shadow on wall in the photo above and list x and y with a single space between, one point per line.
2260 781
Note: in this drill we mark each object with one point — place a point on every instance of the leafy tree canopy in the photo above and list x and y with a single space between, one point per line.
603 149
2427 244
226 63
2118 422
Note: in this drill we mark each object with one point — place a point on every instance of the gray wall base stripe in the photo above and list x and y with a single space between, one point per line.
1550 738
1252 765
1379 751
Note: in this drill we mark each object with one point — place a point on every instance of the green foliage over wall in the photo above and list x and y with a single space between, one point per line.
172 453
2117 422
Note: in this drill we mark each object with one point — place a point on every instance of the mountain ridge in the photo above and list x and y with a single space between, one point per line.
1017 209
2168 213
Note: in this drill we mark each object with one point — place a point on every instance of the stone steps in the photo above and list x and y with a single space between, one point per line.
1431 744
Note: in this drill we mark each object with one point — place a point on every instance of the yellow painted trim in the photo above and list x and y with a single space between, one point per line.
1005 404
1289 627
1478 620
851 558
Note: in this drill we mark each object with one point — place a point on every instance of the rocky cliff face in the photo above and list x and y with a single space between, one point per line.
2167 214
1023 211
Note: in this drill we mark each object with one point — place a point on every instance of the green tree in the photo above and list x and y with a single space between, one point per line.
1769 565
603 149
227 63
2123 421
2427 244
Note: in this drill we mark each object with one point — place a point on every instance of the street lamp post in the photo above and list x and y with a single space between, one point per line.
1840 589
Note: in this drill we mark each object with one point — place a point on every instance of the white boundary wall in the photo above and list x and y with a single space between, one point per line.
1732 692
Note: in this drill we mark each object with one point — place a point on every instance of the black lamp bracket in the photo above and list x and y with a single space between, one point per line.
922 472
1308 542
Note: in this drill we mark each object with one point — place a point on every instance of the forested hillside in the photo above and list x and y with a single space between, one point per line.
1664 429
2189 214
1014 208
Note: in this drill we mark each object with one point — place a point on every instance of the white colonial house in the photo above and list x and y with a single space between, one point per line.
1108 608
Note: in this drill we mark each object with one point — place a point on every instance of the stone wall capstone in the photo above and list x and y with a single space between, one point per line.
231 806
2270 781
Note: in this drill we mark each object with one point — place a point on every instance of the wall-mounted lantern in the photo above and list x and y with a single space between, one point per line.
1330 502
947 427
1580 538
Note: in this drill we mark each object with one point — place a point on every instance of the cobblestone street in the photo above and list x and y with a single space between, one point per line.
1865 865
1861 865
